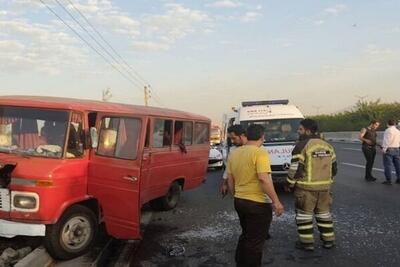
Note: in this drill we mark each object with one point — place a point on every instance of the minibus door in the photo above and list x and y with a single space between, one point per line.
114 175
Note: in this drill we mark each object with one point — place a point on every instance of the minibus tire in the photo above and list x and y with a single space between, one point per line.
76 216
170 200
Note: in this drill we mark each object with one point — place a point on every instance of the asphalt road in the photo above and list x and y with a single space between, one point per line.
203 229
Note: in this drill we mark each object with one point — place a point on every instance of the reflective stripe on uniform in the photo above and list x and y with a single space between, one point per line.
304 227
294 166
315 183
304 217
325 225
310 236
299 157
328 234
326 215
290 181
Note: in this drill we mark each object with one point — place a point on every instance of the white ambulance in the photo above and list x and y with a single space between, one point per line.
280 121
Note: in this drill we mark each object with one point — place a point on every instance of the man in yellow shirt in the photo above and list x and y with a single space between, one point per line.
249 180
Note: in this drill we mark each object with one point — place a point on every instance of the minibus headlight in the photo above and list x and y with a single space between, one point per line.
24 202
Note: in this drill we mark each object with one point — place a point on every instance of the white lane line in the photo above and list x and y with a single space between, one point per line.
360 166
363 167
352 149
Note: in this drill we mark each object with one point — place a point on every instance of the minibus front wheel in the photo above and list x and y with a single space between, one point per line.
170 200
73 234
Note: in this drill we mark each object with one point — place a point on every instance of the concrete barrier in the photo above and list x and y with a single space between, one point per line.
37 258
348 137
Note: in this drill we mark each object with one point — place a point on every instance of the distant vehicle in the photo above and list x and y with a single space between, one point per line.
280 121
215 136
68 165
215 159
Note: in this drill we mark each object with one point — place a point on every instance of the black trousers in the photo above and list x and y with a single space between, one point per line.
255 219
369 154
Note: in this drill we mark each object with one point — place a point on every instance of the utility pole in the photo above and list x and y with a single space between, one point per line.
106 94
147 95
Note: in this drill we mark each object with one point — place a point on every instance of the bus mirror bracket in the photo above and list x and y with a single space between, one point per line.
94 137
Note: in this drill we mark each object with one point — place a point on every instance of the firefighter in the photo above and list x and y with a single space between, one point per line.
313 167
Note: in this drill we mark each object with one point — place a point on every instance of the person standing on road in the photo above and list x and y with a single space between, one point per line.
250 182
237 136
368 138
391 153
312 169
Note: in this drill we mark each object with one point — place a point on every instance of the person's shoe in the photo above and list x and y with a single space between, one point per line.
370 179
398 181
268 237
305 246
387 182
328 244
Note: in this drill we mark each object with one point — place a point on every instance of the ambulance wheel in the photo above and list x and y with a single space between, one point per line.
170 200
73 234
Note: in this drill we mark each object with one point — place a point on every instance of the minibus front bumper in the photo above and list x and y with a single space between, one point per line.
11 229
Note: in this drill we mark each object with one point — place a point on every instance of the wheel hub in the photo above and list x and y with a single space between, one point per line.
76 233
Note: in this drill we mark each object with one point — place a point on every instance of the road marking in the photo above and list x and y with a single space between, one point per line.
360 166
352 149
363 167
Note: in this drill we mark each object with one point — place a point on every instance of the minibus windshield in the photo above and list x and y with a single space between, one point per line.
33 131
280 130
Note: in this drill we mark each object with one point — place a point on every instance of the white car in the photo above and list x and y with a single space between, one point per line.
215 159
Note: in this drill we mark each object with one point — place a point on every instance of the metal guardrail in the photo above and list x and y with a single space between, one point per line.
347 136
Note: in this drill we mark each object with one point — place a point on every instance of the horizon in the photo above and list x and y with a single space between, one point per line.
205 56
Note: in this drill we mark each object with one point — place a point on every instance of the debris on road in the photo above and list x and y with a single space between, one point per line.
175 250
10 256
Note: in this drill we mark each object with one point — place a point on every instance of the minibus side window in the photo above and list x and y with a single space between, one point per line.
75 137
162 133
119 138
188 133
201 133
183 132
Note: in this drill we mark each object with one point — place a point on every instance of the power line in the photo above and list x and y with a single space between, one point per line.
138 81
86 42
108 44
146 83
99 44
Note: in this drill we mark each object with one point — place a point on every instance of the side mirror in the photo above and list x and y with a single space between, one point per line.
94 137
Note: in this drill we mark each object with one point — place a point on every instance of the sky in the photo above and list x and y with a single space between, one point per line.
203 56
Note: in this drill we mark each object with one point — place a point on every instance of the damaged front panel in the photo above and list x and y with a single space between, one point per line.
5 173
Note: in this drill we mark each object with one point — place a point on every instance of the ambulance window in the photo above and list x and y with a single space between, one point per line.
119 137
201 133
162 133
75 137
183 132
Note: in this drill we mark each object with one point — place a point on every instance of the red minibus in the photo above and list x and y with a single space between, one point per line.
67 165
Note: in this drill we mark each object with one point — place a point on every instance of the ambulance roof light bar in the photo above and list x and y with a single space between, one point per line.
265 102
